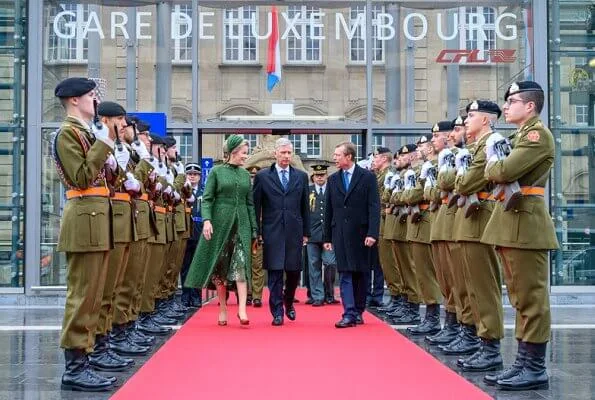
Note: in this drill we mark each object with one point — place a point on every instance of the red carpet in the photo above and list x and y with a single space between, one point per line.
305 359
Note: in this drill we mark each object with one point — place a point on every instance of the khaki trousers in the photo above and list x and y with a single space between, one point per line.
426 275
402 252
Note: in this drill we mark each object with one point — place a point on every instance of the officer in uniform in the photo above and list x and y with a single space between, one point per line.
407 312
85 230
480 262
418 233
257 270
192 297
524 253
318 257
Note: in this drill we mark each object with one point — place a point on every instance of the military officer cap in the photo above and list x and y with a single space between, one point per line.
319 169
254 169
142 126
425 138
169 141
74 87
382 150
484 106
523 86
442 126
408 148
110 109
193 168
156 139
459 121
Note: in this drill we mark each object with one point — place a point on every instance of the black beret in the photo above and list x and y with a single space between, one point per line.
408 148
442 126
523 86
319 169
156 139
110 109
193 167
459 121
484 106
425 138
169 141
74 87
142 126
382 150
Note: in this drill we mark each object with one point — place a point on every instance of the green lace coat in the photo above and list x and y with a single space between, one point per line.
226 201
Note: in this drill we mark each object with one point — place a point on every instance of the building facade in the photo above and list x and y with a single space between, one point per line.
204 64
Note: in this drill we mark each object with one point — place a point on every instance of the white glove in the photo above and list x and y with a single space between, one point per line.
191 199
169 177
177 195
131 183
459 158
393 181
158 187
424 169
167 190
408 179
364 164
102 134
122 157
141 150
492 159
387 179
179 167
161 169
442 157
492 140
428 184
111 163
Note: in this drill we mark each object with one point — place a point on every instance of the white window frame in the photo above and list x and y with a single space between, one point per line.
302 26
183 46
82 13
304 140
584 114
184 146
356 139
242 23
488 28
252 138
377 8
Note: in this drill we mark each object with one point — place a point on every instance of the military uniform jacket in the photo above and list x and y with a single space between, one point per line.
142 170
85 224
399 229
390 219
529 226
417 231
442 226
471 229
317 207
380 175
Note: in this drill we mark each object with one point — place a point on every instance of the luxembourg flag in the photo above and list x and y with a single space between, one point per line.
274 56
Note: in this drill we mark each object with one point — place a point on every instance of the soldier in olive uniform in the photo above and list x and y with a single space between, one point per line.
418 233
80 153
524 253
441 234
258 272
480 262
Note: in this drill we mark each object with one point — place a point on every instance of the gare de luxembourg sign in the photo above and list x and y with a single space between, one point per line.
69 25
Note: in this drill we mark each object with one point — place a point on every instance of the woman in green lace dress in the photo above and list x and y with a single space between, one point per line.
229 226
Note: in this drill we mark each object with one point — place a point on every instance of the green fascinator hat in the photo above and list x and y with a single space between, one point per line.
232 142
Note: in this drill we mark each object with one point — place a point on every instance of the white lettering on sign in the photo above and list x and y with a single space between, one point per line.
70 25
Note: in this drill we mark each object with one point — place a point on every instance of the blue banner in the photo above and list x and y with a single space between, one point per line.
206 165
158 121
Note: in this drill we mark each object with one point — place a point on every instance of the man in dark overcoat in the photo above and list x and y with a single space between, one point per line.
352 224
282 214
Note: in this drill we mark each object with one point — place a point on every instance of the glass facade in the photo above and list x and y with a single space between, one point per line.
205 64
13 64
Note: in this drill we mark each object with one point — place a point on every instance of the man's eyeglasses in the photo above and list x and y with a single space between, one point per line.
510 101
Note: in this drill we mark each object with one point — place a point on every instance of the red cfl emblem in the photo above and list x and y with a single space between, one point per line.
495 56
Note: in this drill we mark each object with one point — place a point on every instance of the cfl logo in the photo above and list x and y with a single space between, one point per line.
494 56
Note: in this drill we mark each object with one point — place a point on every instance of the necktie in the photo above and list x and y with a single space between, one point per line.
346 179
320 192
284 180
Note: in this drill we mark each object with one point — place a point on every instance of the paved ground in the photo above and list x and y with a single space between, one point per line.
31 364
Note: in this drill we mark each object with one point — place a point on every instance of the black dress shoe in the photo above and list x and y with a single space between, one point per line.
296 300
359 320
248 302
332 301
317 303
257 303
345 323
374 303
290 313
277 321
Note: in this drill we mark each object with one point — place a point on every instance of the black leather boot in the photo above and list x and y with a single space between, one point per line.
511 371
409 317
533 375
164 308
121 343
468 344
400 310
101 360
430 324
448 333
145 324
177 306
138 337
490 358
79 375
461 361
392 305
160 318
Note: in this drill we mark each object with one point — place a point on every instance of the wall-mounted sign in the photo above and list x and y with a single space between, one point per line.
494 56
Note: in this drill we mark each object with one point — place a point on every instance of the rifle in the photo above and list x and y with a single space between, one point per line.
508 193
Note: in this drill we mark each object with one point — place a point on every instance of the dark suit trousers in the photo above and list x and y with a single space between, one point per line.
353 287
277 298
188 255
